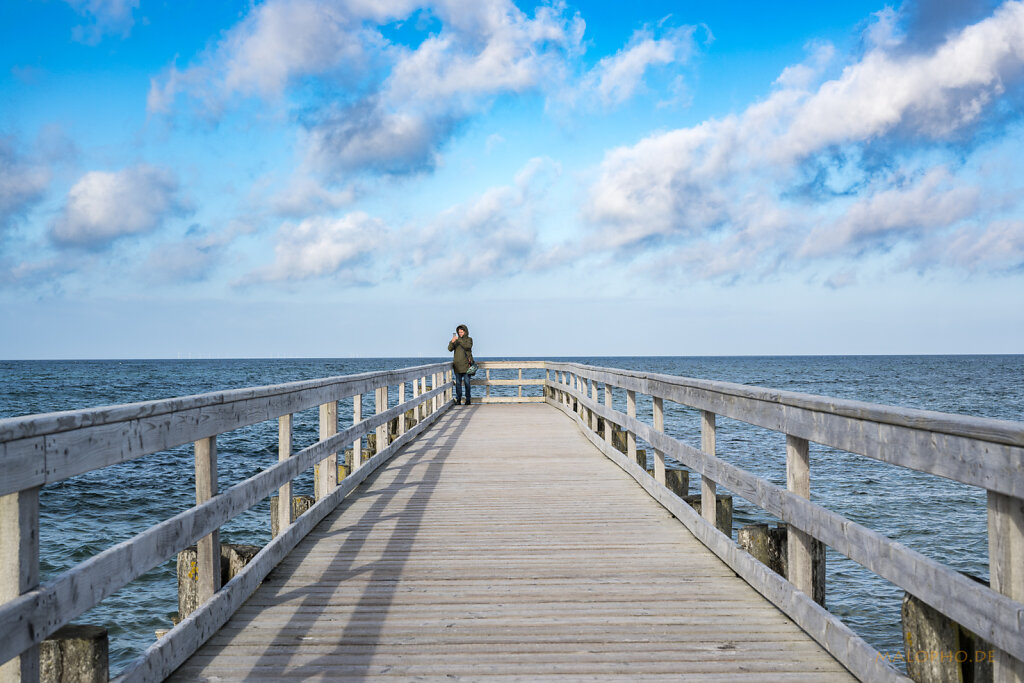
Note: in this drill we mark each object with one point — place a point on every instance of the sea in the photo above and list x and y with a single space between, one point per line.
942 519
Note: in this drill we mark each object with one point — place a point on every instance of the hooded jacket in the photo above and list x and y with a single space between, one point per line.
461 347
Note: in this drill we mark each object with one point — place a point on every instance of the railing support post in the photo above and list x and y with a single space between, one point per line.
380 400
798 481
708 488
401 400
1006 568
630 434
284 451
593 397
608 394
208 548
520 382
357 445
425 405
659 426
19 569
487 372
326 479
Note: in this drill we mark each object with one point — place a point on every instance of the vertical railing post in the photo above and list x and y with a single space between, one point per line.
434 385
357 445
284 451
1006 568
659 426
708 488
380 400
425 405
593 397
630 434
326 471
401 400
608 394
488 377
208 548
19 569
798 481
520 382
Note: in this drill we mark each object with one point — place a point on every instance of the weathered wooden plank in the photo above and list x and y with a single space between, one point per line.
798 543
1006 567
507 382
208 547
19 569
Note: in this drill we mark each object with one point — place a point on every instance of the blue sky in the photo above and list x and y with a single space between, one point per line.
356 177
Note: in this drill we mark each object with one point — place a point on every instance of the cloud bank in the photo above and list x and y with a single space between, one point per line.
868 160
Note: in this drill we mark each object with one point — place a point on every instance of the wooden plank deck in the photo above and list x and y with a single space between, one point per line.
502 545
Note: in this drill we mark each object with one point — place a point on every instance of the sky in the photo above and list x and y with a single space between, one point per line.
354 178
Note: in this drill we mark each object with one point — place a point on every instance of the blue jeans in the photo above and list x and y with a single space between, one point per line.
460 378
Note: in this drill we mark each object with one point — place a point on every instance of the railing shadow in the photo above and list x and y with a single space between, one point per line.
418 466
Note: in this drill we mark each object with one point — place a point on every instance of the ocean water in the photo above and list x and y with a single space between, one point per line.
942 519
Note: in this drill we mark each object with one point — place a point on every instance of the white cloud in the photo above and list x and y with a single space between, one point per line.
22 183
304 196
494 235
107 17
484 49
997 247
732 197
937 200
934 95
327 247
616 78
103 206
277 43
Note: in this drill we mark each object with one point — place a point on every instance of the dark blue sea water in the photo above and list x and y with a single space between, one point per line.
942 519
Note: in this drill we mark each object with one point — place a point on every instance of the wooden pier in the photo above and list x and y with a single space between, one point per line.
508 539
478 553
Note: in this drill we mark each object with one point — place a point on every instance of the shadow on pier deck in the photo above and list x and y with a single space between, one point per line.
502 544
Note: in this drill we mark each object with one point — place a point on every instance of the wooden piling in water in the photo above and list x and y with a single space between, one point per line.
769 546
76 653
299 505
723 510
232 558
939 650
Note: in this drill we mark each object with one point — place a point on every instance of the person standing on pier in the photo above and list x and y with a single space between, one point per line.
462 345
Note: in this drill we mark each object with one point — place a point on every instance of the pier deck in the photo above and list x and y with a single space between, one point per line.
502 544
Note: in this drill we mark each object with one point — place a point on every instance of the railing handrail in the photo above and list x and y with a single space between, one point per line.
988 458
44 449
974 451
43 424
982 428
40 449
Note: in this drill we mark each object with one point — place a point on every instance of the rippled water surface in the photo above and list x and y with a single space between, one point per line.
942 519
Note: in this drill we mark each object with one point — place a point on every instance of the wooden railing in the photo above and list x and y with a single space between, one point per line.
44 449
975 451
503 382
